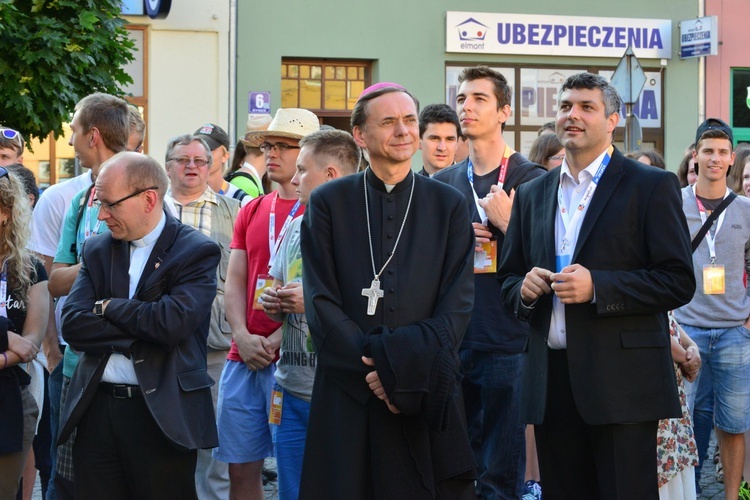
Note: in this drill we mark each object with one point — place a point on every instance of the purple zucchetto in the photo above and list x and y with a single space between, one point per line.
378 86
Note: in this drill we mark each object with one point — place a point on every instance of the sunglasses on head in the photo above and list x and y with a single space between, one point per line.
9 133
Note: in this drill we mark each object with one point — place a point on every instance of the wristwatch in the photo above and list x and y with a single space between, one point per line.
99 307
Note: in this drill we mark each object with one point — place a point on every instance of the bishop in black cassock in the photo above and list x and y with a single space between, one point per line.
357 447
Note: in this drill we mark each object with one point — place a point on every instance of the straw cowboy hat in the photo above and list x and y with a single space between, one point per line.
294 123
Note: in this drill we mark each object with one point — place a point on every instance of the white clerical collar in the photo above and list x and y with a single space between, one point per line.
591 168
150 238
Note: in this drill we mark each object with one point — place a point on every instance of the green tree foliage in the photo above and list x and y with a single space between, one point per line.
53 53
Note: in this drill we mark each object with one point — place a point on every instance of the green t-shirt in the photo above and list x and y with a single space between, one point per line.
247 182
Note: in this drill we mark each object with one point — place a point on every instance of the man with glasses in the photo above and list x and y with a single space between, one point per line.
218 140
11 147
324 156
139 314
188 163
100 129
248 375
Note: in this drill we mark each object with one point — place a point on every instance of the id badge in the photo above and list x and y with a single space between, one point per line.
561 262
277 400
485 261
713 279
263 282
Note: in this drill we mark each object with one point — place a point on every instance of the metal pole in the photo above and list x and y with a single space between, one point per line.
628 105
232 115
701 73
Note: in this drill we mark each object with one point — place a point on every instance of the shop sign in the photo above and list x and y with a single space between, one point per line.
699 37
524 34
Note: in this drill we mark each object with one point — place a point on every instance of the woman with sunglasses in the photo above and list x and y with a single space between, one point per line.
24 302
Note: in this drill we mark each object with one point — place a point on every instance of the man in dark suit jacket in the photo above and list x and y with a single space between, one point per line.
595 273
139 314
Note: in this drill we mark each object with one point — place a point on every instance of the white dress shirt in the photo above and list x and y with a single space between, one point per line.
572 193
119 369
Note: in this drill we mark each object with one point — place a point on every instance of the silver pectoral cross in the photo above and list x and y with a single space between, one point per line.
373 294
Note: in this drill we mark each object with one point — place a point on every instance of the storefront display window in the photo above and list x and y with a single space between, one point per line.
323 85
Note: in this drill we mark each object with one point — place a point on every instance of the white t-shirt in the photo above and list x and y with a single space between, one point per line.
49 214
47 221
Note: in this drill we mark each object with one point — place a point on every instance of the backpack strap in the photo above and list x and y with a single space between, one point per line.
237 173
79 217
711 218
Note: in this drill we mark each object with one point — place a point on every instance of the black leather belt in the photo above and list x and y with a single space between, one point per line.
120 391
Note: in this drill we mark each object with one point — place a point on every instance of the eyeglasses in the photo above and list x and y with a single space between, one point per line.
184 161
279 147
110 207
556 157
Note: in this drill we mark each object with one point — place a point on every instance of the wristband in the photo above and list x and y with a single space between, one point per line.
5 363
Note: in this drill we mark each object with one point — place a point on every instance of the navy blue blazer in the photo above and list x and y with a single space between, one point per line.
634 241
163 329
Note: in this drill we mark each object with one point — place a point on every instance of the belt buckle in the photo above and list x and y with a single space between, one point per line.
121 391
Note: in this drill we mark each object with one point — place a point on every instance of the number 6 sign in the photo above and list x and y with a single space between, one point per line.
259 103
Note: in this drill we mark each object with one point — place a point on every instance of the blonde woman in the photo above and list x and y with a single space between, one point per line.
24 303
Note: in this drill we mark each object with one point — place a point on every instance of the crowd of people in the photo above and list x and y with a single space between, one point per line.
383 331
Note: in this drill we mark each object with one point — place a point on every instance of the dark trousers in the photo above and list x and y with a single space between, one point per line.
578 460
54 388
41 446
120 453
492 400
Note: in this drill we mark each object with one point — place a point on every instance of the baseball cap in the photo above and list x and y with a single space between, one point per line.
214 136
714 124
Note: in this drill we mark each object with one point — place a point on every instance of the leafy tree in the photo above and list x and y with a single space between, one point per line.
53 53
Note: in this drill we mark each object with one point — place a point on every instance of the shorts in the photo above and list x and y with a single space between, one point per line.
725 352
242 413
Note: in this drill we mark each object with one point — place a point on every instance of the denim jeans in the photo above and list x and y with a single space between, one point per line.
54 387
492 388
289 444
725 354
701 403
